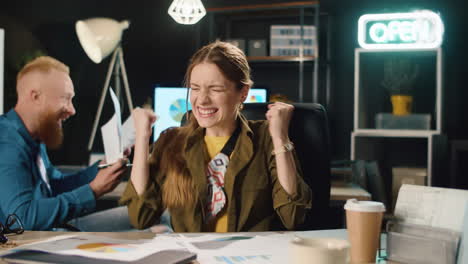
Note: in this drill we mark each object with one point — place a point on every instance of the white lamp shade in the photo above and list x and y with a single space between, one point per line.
187 12
99 36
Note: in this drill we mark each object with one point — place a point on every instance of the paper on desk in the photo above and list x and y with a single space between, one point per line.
245 248
462 257
431 206
115 136
103 247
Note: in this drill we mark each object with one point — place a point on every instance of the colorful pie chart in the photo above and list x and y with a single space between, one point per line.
177 109
106 247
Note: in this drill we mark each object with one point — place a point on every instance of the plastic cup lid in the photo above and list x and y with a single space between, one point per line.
364 206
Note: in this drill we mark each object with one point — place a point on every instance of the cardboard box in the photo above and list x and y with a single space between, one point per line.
407 175
257 47
285 40
240 43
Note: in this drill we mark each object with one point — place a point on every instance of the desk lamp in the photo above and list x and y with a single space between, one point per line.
100 37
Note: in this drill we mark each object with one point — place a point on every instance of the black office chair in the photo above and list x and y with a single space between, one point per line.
309 132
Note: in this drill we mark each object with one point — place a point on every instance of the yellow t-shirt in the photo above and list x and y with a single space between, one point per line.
214 146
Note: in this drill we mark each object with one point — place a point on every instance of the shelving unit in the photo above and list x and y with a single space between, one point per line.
368 94
256 20
279 58
369 143
375 146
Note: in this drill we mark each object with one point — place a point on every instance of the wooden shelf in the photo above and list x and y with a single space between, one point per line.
263 6
280 58
398 133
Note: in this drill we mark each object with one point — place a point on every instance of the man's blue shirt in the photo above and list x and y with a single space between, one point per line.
25 193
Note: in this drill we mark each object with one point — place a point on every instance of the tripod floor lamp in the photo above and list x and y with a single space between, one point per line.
100 37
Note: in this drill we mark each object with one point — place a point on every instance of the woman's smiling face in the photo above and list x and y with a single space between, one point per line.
215 100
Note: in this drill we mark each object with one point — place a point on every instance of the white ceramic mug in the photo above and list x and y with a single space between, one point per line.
319 250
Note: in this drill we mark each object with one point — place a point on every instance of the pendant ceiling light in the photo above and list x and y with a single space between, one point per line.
187 12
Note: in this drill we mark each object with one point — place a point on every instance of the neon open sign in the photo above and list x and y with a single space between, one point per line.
416 30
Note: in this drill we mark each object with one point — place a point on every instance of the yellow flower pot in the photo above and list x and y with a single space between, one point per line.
402 104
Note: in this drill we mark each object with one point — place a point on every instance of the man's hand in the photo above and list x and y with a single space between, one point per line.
128 151
107 179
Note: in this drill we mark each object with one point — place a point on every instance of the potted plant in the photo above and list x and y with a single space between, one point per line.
399 77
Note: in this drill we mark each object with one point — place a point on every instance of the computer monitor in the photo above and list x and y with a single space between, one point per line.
257 95
170 104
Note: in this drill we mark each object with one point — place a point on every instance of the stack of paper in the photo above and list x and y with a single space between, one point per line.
105 249
431 206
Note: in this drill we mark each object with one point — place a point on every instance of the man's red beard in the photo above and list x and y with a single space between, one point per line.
50 132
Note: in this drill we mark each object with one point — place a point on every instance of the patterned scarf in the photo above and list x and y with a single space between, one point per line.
217 167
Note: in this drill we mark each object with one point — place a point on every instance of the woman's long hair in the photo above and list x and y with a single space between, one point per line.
178 189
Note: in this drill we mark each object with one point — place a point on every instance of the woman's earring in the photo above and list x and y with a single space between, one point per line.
241 106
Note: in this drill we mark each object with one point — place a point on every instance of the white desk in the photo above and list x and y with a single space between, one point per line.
34 236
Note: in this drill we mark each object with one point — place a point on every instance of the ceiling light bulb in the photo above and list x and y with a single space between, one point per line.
187 12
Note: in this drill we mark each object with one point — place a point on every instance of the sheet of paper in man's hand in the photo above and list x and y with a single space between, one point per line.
115 136
128 133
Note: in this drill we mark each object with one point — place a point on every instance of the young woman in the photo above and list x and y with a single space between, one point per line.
219 172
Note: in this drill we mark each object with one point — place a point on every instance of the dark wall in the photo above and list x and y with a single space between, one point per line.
344 16
157 50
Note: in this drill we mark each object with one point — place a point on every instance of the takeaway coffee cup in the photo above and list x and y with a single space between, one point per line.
318 250
363 221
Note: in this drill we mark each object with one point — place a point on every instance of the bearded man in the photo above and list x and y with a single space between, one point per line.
30 187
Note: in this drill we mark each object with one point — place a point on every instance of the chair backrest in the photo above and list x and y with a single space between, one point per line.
309 132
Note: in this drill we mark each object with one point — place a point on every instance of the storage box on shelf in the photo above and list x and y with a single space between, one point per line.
292 40
411 121
257 48
240 43
406 175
